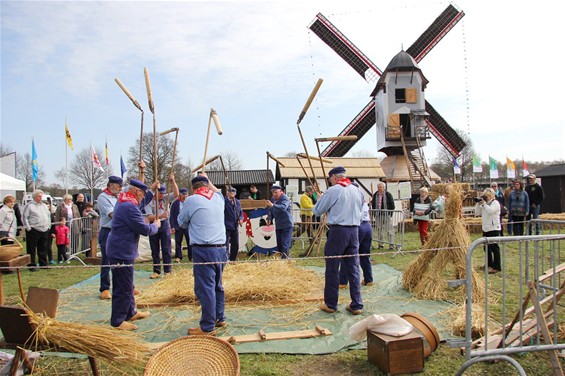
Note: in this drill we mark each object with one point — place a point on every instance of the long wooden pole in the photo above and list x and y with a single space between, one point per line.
176 130
213 117
152 109
136 104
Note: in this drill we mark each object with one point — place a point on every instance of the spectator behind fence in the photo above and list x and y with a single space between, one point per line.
518 208
69 211
536 196
489 209
8 221
62 239
422 209
499 196
383 207
37 222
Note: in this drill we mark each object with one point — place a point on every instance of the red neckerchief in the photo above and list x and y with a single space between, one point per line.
344 182
108 192
205 192
128 197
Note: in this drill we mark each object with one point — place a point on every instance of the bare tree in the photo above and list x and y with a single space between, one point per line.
165 146
84 173
24 172
443 163
362 154
231 160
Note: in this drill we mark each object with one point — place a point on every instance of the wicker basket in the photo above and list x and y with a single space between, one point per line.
10 251
194 355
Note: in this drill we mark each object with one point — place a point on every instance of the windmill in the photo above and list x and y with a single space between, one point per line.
401 136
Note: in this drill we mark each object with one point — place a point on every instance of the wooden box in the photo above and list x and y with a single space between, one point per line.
395 355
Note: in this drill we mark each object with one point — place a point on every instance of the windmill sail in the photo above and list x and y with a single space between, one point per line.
338 42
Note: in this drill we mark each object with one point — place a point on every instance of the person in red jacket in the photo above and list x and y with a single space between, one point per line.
62 239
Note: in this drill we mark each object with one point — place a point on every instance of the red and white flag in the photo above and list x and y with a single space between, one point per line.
525 170
95 159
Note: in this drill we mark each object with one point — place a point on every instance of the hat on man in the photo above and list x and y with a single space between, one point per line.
183 191
233 190
336 170
274 187
115 180
138 184
531 176
162 188
199 179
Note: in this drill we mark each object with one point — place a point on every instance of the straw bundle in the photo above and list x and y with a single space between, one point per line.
446 246
456 320
99 342
272 281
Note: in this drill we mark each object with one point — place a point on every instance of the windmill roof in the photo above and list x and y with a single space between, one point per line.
401 62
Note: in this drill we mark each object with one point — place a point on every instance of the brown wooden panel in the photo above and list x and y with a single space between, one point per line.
15 324
43 300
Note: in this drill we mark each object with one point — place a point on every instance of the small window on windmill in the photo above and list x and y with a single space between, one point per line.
400 95
411 95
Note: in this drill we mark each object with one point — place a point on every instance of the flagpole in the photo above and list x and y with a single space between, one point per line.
91 169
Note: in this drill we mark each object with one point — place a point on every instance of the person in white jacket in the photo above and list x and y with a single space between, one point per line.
489 209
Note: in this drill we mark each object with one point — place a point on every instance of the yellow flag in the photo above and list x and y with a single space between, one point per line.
68 136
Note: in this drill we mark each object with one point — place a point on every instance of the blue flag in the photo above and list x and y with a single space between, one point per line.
123 166
456 168
34 165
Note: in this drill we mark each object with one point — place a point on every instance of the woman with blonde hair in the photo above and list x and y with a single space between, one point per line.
8 221
489 209
422 209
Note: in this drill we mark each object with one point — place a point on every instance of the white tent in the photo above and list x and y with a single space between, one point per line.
8 183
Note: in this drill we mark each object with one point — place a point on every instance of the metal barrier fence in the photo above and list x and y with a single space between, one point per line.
525 300
388 227
82 231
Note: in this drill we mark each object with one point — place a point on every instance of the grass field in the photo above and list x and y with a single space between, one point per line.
444 361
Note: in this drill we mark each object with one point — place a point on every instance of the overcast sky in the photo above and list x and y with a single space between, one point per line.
495 76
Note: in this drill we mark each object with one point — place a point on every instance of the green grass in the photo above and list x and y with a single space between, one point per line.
444 361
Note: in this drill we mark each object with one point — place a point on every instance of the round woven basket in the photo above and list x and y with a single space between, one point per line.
194 355
10 251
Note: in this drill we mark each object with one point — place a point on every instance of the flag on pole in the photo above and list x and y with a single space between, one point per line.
34 165
123 166
510 169
456 168
477 164
68 136
525 169
95 159
106 154
493 168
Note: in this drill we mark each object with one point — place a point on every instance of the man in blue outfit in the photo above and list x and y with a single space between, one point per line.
280 209
121 248
160 243
106 203
343 204
178 231
233 218
203 214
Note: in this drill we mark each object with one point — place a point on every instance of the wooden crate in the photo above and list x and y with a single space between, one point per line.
395 355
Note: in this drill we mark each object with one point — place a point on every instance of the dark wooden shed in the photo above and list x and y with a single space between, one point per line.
553 184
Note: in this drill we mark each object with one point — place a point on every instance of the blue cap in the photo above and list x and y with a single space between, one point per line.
115 180
275 186
199 179
232 189
336 170
138 184
163 188
183 191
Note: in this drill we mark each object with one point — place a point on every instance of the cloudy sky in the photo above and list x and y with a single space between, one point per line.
495 76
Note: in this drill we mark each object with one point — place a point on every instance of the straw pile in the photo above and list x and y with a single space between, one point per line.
272 281
99 342
446 246
457 319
